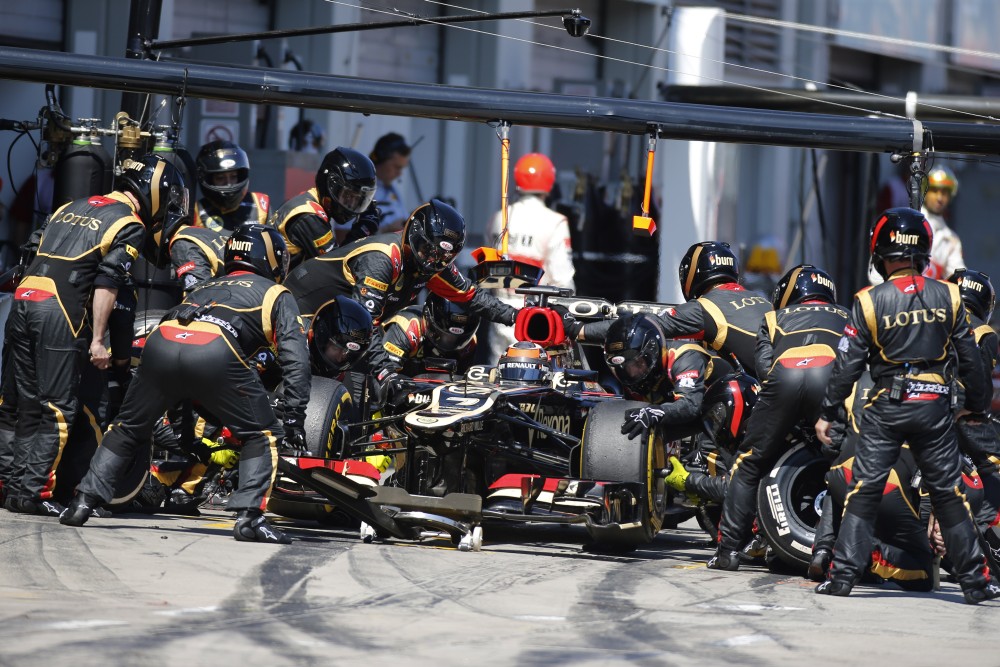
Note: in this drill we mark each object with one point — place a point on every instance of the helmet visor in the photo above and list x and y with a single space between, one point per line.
353 198
179 202
340 356
433 256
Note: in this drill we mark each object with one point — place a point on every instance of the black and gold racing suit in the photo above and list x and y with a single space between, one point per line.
906 329
88 243
726 318
405 346
680 392
978 437
308 230
794 356
376 272
254 208
197 254
204 350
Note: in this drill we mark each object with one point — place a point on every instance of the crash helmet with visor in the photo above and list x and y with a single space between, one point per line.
345 184
340 334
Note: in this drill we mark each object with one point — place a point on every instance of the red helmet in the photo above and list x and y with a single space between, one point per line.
534 173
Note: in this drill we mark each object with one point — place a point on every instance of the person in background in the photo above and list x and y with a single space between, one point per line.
306 137
390 156
535 234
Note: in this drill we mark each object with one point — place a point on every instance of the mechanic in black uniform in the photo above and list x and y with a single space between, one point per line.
907 328
339 335
386 272
442 329
796 346
345 190
900 550
224 176
196 254
203 350
673 376
83 258
718 310
977 437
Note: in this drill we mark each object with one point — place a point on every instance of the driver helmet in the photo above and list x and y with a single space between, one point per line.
340 334
345 184
524 362
434 234
223 173
635 349
726 409
450 326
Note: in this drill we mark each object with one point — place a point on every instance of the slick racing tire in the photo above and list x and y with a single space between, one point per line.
789 499
607 455
329 402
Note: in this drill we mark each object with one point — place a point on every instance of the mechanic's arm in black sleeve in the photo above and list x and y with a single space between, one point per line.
970 363
708 487
763 354
688 377
453 286
684 320
366 224
189 262
852 356
312 233
113 271
372 273
293 355
390 346
989 347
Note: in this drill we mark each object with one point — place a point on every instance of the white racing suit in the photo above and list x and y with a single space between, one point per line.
539 236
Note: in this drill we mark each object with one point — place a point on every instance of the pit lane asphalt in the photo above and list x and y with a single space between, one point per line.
166 590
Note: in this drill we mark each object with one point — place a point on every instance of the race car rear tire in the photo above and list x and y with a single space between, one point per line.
607 455
329 402
788 502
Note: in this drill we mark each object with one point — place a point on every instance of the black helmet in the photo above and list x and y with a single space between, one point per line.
435 234
805 282
901 233
525 362
977 292
220 157
259 249
726 408
345 183
635 348
341 332
450 325
158 186
705 264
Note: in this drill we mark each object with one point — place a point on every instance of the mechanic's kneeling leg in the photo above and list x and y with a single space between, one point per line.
251 526
97 486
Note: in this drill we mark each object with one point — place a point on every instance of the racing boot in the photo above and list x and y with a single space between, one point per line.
990 591
819 564
251 526
834 587
725 559
40 507
755 549
80 509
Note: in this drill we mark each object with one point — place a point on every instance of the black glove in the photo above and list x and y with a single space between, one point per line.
393 387
639 421
294 441
366 224
571 325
